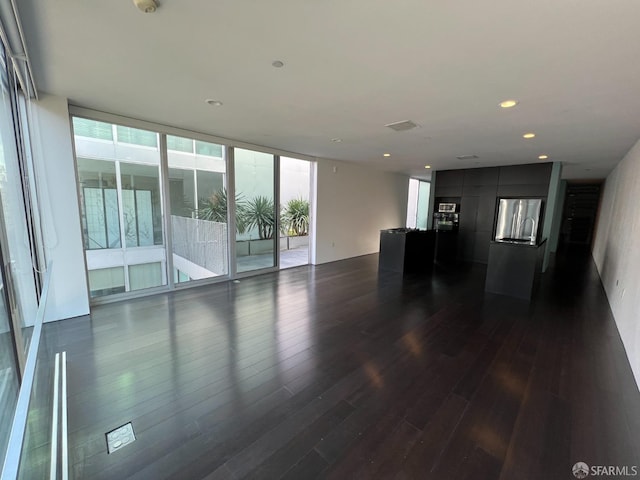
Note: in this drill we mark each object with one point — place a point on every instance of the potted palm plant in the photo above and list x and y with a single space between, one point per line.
259 214
295 217
214 209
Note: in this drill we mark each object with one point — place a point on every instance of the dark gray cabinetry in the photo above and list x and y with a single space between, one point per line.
449 183
403 250
530 174
514 269
477 190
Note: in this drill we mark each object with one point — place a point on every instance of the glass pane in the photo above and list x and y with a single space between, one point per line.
423 205
137 137
255 209
122 214
182 191
106 281
145 276
92 129
179 144
294 212
16 239
209 149
198 214
412 203
99 203
8 375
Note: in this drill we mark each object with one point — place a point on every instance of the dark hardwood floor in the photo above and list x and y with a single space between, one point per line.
340 372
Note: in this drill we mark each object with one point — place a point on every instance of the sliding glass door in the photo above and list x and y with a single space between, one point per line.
256 229
198 197
295 218
156 208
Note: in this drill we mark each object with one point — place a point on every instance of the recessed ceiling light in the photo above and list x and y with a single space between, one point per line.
277 63
508 103
543 157
336 140
528 135
215 103
427 166
386 154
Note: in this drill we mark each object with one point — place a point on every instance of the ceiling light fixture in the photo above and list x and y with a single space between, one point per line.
336 140
543 157
215 103
528 135
427 166
146 6
386 154
508 103
277 63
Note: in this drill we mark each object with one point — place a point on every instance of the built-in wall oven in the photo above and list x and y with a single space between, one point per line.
445 223
447 217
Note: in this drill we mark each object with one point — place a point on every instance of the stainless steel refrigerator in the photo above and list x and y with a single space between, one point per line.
518 219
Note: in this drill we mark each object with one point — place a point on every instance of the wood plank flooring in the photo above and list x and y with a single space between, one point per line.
339 371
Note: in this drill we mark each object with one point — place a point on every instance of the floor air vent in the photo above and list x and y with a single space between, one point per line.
120 437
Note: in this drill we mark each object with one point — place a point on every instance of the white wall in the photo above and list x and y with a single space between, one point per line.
616 251
58 203
353 204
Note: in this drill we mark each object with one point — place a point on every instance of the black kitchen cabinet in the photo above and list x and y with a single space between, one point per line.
405 250
537 190
529 174
477 190
448 178
481 176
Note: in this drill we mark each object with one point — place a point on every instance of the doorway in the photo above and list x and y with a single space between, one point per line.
295 195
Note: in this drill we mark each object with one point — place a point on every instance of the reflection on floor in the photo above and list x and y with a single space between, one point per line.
338 371
288 258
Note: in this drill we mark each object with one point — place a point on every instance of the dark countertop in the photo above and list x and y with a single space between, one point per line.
404 230
520 243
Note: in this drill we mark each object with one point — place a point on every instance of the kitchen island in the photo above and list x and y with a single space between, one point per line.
406 250
514 267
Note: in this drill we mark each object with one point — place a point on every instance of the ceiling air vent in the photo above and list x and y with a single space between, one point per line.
467 157
401 126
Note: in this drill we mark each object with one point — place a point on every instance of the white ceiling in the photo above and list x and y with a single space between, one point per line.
352 66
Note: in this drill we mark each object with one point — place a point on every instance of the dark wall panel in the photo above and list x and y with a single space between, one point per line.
468 212
486 212
479 190
481 243
530 174
448 190
447 178
539 190
481 176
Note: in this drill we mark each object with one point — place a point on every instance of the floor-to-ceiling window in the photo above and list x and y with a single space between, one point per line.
256 231
156 205
418 204
198 197
18 298
295 186
121 206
